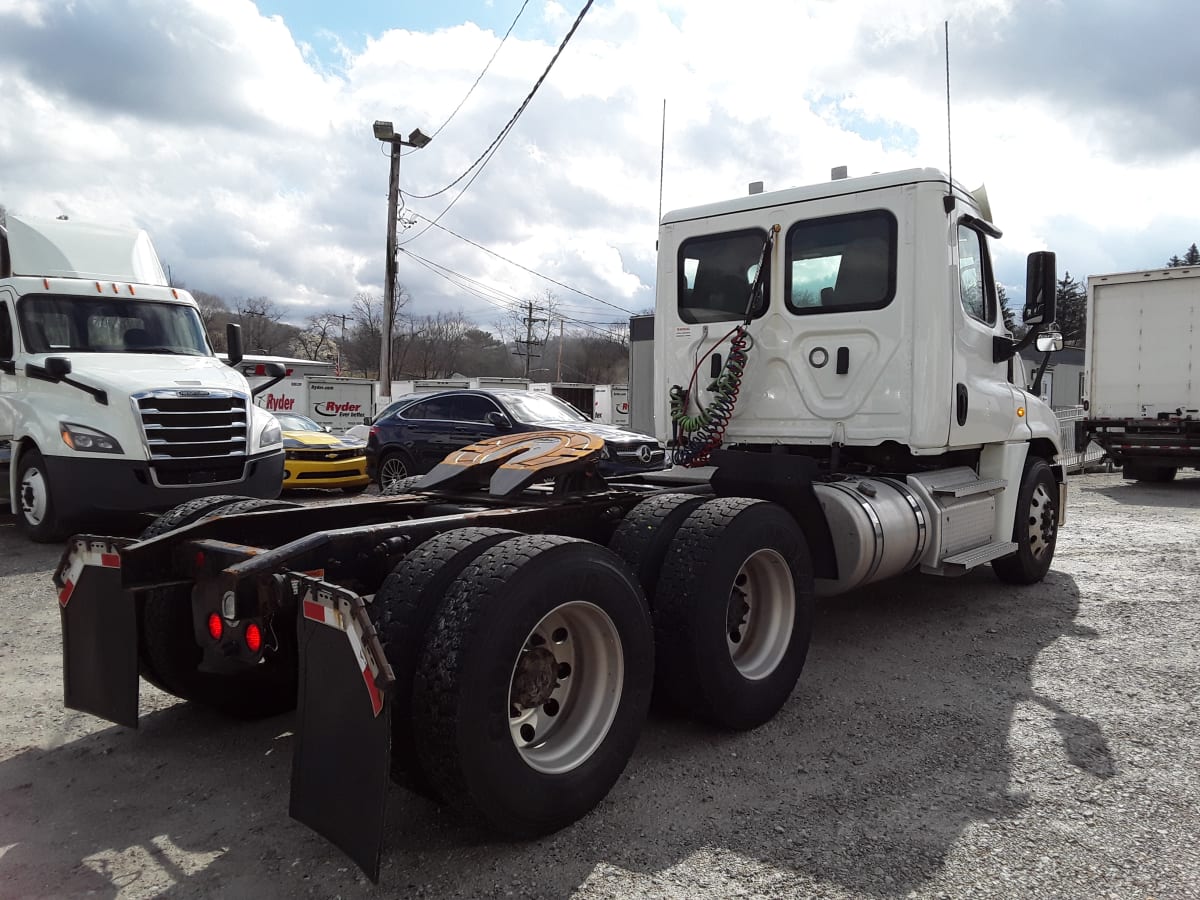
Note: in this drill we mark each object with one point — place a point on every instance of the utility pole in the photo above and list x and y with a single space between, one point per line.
558 377
341 342
384 132
529 342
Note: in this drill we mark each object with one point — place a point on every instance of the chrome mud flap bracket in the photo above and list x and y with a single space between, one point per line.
342 761
100 630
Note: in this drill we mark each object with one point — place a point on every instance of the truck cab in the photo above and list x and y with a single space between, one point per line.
871 341
111 399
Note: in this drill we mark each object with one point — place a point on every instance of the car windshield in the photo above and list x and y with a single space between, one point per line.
293 422
534 409
52 323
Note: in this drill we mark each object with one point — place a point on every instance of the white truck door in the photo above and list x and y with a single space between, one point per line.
8 379
984 403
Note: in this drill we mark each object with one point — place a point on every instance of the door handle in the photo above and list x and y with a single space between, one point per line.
961 403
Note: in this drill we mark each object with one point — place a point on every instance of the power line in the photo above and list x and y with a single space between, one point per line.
520 109
487 154
498 298
511 262
484 72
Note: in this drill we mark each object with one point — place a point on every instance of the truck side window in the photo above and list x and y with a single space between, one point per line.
977 287
715 275
841 263
6 333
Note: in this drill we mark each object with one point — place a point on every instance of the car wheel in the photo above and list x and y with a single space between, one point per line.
394 467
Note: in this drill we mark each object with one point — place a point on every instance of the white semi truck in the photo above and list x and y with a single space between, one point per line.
1142 371
835 385
111 399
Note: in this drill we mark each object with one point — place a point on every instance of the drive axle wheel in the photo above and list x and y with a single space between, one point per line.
1035 529
557 717
733 612
533 683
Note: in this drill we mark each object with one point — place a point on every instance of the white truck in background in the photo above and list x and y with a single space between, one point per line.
111 400
1142 371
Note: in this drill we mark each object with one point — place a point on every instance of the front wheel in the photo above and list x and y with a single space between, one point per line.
37 512
1035 529
533 683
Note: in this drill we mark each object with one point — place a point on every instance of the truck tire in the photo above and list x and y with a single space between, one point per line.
394 466
533 683
1035 526
186 514
646 532
171 657
399 486
37 512
403 608
733 612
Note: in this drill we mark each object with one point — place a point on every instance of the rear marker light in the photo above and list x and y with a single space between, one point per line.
216 627
253 638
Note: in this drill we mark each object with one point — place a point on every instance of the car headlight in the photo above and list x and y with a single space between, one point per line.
271 434
91 440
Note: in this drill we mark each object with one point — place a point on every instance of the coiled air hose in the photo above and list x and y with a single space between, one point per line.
697 436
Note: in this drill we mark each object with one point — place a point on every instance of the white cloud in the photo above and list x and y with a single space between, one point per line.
254 167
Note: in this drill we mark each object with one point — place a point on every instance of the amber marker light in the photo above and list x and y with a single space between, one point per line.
1020 412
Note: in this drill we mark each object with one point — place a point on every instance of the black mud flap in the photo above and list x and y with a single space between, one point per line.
100 631
342 760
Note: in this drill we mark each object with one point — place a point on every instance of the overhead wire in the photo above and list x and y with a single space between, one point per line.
484 158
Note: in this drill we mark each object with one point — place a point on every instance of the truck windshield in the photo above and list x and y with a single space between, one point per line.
58 323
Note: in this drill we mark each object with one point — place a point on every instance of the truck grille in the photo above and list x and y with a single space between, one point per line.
194 424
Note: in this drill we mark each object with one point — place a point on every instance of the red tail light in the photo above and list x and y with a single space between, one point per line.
216 627
374 429
253 638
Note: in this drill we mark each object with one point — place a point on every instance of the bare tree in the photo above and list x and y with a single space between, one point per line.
263 326
214 313
529 326
317 340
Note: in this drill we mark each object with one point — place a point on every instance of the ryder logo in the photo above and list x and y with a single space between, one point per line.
332 408
279 403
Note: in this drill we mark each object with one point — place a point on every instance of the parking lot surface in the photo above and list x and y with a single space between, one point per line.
948 738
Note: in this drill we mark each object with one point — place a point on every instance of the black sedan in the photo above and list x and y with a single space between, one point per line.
415 433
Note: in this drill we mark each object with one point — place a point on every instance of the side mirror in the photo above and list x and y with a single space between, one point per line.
1049 342
275 370
367 420
328 429
499 420
1041 287
57 367
233 343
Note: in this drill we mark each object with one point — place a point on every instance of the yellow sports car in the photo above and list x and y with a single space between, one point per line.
313 458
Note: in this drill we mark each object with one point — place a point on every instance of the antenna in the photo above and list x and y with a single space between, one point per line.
661 160
949 202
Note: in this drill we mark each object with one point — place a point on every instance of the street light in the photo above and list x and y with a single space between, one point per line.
386 133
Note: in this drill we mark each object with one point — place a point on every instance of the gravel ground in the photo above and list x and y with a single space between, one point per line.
949 738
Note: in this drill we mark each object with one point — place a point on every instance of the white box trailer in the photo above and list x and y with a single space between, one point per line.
428 386
610 404
489 382
1142 370
581 396
340 403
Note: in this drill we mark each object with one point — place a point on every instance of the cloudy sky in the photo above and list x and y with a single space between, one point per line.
239 133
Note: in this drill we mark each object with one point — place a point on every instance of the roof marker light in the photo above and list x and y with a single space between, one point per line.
175 293
116 290
130 286
46 283
98 288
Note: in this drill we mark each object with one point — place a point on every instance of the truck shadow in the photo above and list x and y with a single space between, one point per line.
1182 493
896 740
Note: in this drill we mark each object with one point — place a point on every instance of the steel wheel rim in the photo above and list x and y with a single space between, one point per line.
556 727
1042 522
33 496
394 470
761 614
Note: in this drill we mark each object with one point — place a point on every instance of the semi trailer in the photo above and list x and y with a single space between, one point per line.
839 405
111 399
1141 365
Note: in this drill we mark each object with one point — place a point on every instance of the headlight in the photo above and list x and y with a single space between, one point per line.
90 440
271 434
